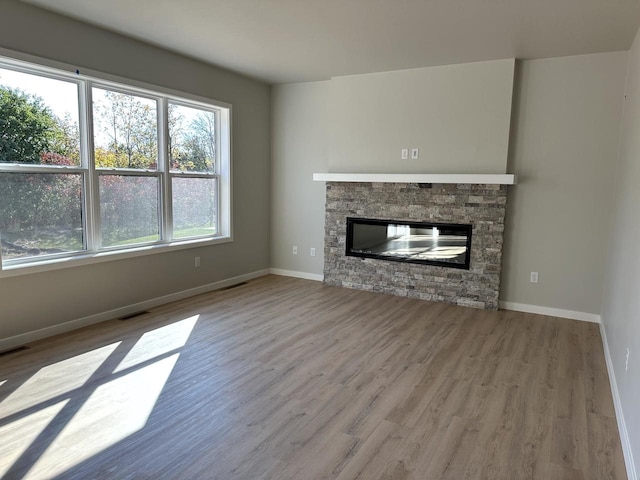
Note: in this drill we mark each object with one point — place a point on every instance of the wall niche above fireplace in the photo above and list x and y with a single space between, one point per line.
445 245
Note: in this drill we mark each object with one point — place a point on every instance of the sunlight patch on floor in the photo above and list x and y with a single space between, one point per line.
158 342
119 406
56 379
115 410
25 430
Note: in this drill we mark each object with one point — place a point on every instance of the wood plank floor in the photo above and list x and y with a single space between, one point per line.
289 379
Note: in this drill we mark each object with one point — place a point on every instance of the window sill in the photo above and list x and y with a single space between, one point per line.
106 256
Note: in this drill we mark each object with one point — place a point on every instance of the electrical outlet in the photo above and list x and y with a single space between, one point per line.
415 154
404 153
197 261
312 252
294 250
534 277
626 361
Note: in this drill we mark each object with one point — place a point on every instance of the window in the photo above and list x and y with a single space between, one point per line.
125 149
89 166
192 158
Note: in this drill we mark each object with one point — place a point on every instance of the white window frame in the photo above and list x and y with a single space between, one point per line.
94 252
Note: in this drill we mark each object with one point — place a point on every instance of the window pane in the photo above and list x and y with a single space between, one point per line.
40 214
192 139
125 130
38 120
128 209
194 201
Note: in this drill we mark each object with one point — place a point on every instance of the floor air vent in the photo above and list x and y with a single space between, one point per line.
14 350
234 286
134 315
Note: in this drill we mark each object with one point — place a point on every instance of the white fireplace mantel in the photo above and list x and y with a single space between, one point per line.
475 178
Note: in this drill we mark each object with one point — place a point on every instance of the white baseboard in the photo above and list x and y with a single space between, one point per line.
292 273
622 426
551 312
17 340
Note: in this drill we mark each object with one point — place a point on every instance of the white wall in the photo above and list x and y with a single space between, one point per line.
621 312
42 300
456 115
564 133
567 114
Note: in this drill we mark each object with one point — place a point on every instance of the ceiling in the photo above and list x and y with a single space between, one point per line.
283 41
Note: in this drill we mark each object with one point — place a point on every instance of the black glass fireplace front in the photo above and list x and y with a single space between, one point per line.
445 245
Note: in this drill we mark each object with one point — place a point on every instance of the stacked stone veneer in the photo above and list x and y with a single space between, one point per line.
482 206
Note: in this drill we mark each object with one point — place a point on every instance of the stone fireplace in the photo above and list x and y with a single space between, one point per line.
480 205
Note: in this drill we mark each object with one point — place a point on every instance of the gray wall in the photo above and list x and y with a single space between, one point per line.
456 115
300 128
564 133
565 130
40 300
318 127
621 310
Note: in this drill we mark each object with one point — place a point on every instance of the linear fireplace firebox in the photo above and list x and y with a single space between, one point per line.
441 244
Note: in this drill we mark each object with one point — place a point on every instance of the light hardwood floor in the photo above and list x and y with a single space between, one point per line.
284 378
